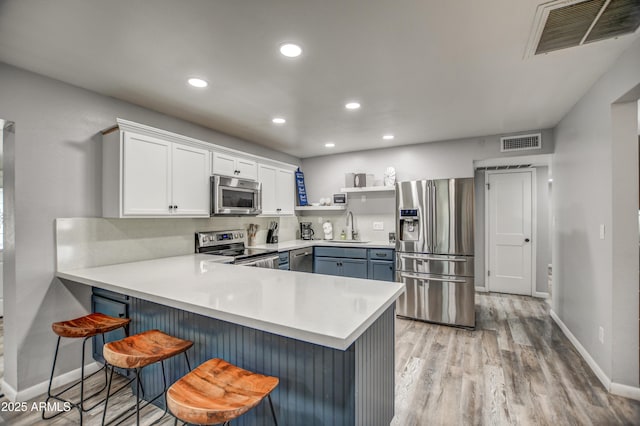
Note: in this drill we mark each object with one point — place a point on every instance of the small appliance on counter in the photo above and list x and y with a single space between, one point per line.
306 232
272 233
327 228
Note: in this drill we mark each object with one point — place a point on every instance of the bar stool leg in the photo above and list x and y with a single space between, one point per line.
53 369
137 396
106 401
273 412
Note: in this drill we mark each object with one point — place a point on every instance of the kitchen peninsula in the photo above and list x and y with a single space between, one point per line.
329 339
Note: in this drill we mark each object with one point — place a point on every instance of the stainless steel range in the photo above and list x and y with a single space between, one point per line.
231 243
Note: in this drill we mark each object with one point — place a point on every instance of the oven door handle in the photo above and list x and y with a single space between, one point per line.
262 259
423 278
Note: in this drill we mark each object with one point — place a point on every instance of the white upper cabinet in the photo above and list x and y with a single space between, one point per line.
148 172
190 170
278 190
229 165
146 176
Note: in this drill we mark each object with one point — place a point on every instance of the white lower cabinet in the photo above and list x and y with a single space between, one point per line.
144 176
278 190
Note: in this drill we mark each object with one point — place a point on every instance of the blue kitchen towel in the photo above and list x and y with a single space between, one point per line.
302 192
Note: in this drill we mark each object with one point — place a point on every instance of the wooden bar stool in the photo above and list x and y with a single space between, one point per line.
84 327
136 352
218 392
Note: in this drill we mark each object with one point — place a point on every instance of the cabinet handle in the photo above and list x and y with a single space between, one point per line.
175 207
170 207
381 254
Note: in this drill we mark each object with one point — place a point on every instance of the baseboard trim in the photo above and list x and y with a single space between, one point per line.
8 390
606 382
41 388
625 391
541 294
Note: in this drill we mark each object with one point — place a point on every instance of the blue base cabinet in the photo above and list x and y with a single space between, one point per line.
283 260
374 264
344 262
381 264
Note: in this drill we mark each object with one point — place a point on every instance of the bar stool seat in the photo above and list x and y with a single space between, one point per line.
217 392
84 328
136 352
144 349
88 326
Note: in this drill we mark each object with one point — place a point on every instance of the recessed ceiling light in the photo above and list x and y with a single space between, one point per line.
352 105
279 120
290 50
550 180
198 82
388 137
329 144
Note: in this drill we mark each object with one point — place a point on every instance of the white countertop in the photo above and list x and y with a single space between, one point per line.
322 309
296 244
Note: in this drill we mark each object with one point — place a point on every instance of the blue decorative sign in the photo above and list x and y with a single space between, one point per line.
302 192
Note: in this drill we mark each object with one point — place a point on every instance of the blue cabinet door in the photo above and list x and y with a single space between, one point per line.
112 308
327 266
356 268
381 270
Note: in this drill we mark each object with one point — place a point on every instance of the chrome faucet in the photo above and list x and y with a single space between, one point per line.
354 234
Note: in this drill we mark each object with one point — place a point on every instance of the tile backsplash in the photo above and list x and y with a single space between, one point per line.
89 242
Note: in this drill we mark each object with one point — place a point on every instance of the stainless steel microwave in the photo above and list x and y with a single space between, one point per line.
235 196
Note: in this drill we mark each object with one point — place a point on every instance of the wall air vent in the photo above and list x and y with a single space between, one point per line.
521 142
560 24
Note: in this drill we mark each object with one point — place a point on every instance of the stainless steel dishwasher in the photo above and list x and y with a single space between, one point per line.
301 259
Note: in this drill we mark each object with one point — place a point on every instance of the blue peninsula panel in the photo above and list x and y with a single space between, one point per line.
318 385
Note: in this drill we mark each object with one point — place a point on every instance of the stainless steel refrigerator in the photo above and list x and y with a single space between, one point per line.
434 250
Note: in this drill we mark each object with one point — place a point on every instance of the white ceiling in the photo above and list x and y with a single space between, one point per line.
424 70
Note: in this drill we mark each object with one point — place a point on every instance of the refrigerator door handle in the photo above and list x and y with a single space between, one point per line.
439 259
434 217
422 278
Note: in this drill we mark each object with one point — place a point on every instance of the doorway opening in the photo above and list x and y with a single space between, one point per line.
540 235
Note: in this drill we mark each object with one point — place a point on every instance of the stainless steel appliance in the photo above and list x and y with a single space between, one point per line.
301 260
306 232
234 196
231 243
435 249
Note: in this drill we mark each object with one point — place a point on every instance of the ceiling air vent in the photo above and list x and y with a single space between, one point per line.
560 24
521 142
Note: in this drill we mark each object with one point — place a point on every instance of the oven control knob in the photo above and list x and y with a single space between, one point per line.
205 238
235 235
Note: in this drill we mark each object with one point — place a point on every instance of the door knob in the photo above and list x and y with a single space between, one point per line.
526 240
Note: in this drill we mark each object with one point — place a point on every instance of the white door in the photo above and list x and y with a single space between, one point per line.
286 196
190 170
509 232
267 177
146 176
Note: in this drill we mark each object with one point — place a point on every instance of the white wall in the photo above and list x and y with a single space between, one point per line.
448 159
595 182
57 173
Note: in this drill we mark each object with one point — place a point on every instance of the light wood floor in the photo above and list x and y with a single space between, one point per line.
515 368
